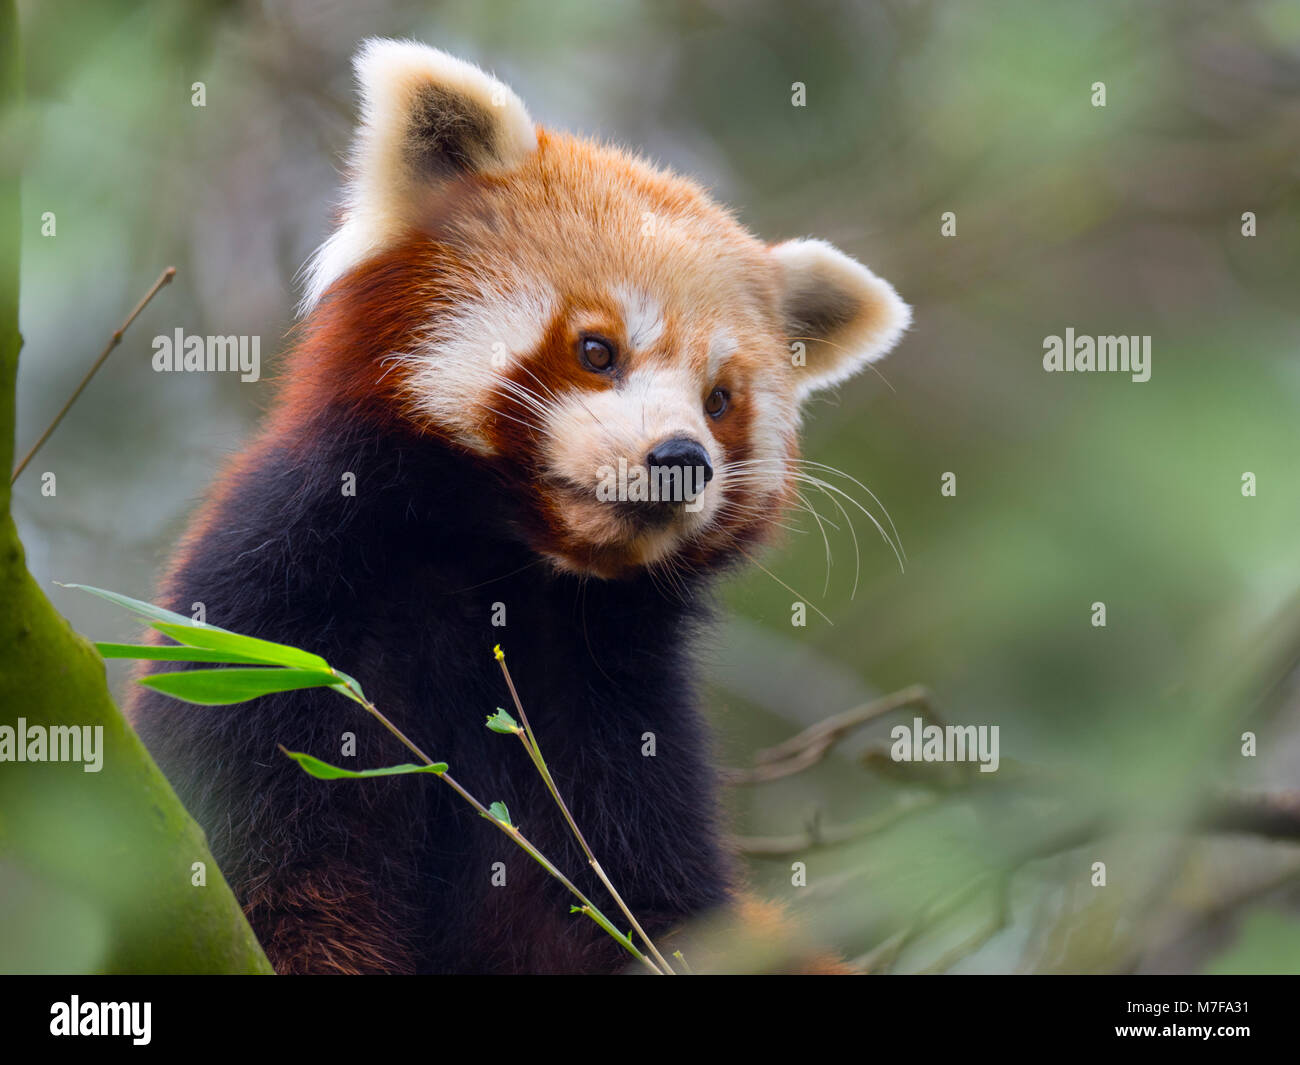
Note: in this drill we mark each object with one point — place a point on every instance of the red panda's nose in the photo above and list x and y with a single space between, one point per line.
683 454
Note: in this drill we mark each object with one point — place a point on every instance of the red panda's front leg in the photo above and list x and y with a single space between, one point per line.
327 921
327 872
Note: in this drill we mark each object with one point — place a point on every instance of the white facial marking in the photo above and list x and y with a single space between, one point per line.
642 317
457 371
721 348
775 427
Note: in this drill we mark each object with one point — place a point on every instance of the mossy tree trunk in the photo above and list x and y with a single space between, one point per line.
97 869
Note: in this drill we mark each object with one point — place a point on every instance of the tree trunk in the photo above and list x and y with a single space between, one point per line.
97 869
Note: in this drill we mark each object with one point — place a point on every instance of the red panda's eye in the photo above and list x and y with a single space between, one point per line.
716 403
597 354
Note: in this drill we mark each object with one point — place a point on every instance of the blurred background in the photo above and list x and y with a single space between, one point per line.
1119 744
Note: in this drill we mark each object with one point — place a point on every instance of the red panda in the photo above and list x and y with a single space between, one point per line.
504 316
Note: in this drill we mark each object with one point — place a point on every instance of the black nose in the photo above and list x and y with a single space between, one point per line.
680 460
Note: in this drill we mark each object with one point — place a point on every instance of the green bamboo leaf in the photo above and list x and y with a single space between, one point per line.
145 610
498 810
211 637
225 687
276 654
502 722
170 653
352 681
325 771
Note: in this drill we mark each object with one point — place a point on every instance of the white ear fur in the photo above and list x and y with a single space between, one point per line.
844 314
426 117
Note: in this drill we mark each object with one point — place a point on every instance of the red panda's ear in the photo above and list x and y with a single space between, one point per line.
843 314
426 118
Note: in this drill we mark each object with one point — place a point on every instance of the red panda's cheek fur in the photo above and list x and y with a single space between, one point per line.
377 309
515 426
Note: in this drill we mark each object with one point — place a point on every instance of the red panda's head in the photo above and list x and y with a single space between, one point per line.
596 327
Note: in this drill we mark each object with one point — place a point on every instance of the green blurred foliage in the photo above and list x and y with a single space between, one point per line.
1072 489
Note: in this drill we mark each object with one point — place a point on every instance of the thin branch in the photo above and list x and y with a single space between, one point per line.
1270 816
820 837
1274 816
810 746
163 279
352 691
535 753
